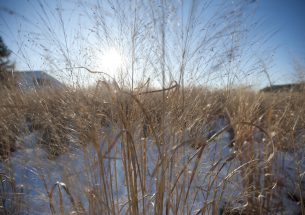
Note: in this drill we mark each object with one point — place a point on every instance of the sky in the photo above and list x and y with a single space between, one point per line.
288 18
42 33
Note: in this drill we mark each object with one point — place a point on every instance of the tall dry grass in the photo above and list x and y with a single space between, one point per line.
260 124
126 122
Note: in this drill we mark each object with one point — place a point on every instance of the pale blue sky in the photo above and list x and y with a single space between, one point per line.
21 20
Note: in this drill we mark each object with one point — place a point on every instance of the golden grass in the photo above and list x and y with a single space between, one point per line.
274 120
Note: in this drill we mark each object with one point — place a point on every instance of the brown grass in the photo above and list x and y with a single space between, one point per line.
273 120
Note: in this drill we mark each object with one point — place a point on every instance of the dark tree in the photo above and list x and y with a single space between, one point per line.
5 64
4 56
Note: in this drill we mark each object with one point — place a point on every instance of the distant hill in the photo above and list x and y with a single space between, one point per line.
296 87
35 79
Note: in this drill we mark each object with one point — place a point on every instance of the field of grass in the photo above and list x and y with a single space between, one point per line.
149 132
105 150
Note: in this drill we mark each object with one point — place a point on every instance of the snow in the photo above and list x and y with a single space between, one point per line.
77 174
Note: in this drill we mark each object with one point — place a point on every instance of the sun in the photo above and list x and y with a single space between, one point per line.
110 61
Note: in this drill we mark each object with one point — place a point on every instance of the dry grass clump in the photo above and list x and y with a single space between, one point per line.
11 198
285 118
11 118
259 123
59 113
56 113
263 124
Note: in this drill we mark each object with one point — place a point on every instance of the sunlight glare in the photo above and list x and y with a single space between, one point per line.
110 61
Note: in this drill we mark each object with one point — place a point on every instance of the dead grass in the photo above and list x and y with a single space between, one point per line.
76 116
